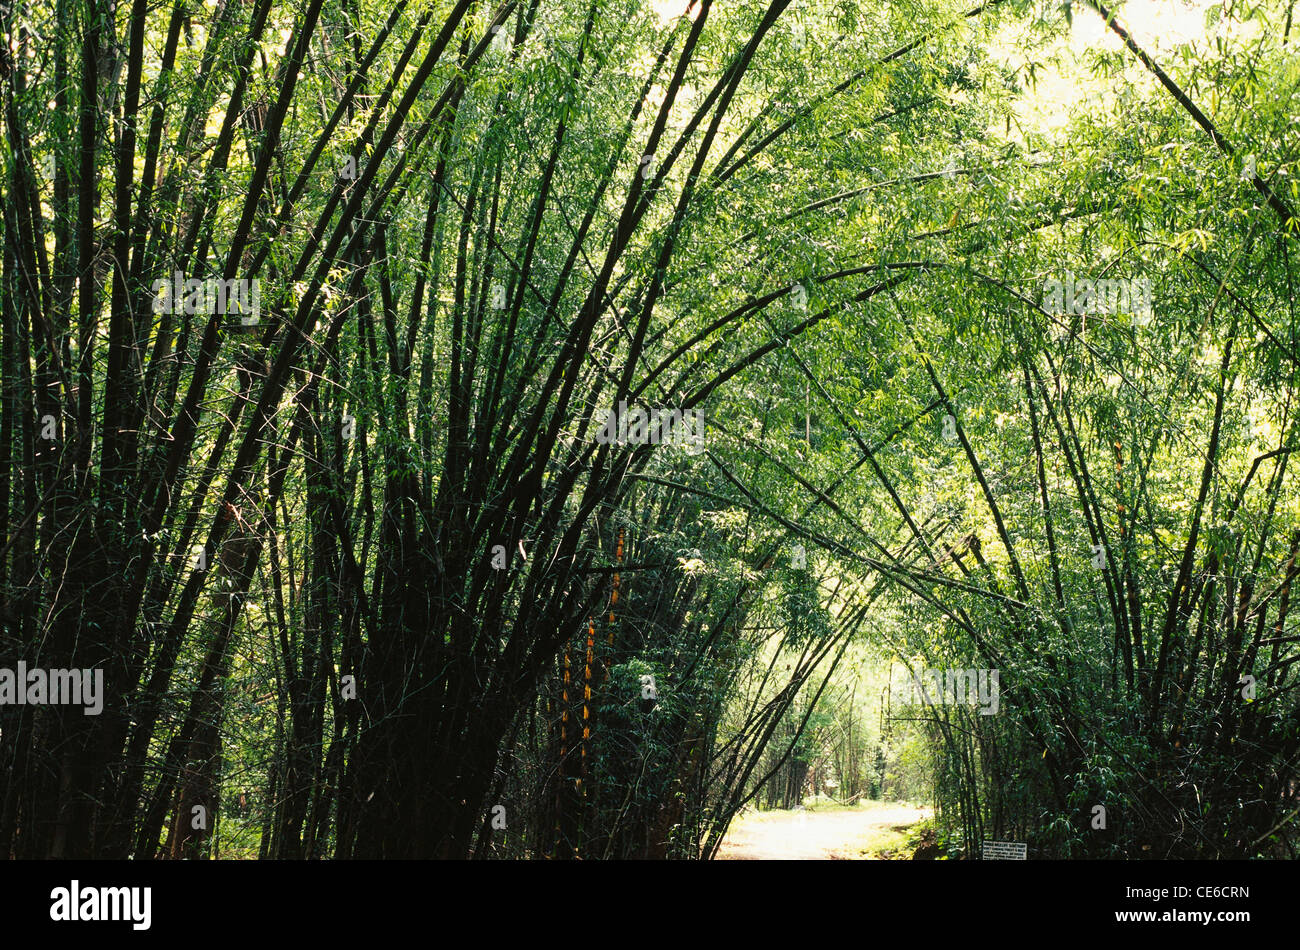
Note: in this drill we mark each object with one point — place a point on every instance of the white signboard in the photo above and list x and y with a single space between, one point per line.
1004 851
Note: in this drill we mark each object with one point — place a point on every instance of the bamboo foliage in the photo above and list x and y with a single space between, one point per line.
350 548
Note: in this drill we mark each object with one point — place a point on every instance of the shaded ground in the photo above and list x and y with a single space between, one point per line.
874 830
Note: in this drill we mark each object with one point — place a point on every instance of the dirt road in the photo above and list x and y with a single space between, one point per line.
843 834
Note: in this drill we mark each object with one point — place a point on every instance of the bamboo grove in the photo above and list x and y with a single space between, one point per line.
366 581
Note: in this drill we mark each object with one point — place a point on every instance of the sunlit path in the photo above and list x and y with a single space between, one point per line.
842 834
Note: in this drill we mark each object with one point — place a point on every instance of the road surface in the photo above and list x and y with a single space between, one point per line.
843 834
